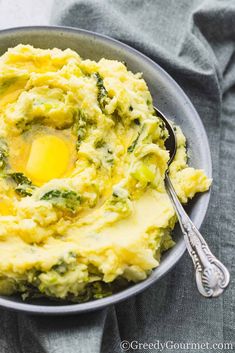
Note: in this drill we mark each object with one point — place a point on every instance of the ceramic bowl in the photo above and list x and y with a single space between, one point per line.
168 97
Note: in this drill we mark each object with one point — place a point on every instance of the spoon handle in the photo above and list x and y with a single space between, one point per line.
212 277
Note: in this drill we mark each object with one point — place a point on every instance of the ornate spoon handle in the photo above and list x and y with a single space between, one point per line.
212 277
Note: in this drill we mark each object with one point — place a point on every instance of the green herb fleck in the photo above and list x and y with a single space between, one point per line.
109 160
7 82
61 268
100 143
3 154
24 185
137 121
80 127
102 92
20 178
64 199
134 143
119 203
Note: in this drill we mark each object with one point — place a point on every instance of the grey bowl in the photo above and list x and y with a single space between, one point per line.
168 97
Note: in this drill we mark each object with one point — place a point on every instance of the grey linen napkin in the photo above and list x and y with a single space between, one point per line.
194 41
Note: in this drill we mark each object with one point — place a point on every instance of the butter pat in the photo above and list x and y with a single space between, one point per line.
48 159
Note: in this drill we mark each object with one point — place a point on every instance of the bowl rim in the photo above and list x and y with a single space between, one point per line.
141 286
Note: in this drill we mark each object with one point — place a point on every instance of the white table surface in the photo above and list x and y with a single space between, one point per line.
15 13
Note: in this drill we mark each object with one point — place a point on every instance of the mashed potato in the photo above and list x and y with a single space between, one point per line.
83 206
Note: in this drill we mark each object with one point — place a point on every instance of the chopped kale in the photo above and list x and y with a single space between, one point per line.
163 133
2 158
22 190
29 291
61 268
24 185
98 289
100 143
107 151
133 145
137 121
65 264
7 82
110 160
93 270
119 203
3 154
64 199
52 194
162 125
80 127
20 178
93 290
102 92
101 289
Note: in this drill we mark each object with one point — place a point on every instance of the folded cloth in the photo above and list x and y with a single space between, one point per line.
194 41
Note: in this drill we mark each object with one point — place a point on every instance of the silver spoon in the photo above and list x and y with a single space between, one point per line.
212 277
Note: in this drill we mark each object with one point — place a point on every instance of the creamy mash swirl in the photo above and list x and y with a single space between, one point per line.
83 207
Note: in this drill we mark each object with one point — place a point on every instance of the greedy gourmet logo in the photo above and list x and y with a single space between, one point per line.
174 346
